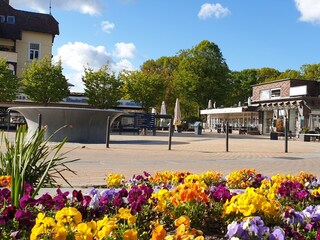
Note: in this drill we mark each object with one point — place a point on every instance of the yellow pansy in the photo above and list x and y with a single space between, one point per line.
130 234
69 215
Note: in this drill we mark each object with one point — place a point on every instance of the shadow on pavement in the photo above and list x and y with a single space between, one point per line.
147 142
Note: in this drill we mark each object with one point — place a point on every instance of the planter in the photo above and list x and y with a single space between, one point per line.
273 136
304 138
198 131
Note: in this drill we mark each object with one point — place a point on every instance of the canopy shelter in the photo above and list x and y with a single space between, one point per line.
244 119
81 125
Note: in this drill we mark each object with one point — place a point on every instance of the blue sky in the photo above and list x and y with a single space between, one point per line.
282 34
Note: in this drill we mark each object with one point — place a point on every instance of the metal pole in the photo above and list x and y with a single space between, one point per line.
108 132
170 133
8 126
154 129
39 121
227 137
286 134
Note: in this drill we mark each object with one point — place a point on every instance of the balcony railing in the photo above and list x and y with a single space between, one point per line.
6 48
10 56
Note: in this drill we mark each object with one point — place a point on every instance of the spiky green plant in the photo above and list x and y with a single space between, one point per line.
32 160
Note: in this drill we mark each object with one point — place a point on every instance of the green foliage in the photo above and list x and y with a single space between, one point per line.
289 73
194 76
44 82
202 75
304 130
8 82
144 88
102 87
241 85
311 71
165 68
198 74
32 161
268 74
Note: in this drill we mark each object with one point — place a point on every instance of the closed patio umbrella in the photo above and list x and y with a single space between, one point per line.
310 123
153 110
209 104
177 114
163 111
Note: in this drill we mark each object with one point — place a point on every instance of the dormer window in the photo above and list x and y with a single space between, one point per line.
265 95
275 93
11 19
2 19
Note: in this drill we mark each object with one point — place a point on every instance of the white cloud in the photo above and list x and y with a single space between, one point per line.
78 54
92 7
76 79
309 9
75 56
124 50
106 26
207 10
123 64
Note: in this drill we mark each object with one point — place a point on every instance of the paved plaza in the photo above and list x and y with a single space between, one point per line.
130 154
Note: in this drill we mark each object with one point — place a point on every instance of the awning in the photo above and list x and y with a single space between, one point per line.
225 113
222 110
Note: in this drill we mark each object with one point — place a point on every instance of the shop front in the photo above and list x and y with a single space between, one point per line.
240 119
274 116
294 100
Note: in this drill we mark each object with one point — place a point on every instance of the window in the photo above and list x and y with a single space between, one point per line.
265 95
34 51
11 19
2 19
275 93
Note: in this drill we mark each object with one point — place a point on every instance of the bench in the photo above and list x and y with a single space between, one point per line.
120 130
307 137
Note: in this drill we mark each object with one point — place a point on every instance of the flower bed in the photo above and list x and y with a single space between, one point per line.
170 205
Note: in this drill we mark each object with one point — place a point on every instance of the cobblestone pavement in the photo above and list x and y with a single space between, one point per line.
133 154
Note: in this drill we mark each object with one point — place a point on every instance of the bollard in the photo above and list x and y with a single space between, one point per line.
108 132
8 126
39 121
170 133
227 137
286 135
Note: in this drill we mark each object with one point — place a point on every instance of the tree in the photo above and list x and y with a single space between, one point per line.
143 88
163 69
268 74
102 87
289 73
311 71
242 84
44 82
202 75
8 82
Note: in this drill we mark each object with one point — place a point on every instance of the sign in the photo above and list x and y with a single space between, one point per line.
142 120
